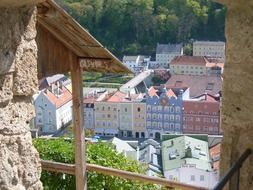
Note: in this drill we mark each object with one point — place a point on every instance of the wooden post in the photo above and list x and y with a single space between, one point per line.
78 123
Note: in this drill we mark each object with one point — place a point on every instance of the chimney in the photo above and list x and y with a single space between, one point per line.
206 96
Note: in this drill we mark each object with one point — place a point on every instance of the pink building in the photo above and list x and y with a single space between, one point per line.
201 116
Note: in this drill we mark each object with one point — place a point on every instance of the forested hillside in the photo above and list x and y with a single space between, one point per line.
135 26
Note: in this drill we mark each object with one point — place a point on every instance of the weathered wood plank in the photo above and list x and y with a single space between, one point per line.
53 56
78 123
50 166
78 40
58 167
18 3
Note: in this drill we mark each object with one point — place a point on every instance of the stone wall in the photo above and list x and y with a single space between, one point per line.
19 161
237 107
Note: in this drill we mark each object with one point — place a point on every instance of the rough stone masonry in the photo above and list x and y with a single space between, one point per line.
237 105
19 161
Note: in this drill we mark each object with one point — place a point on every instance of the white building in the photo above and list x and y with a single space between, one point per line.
137 63
209 48
165 53
150 154
124 148
53 109
186 160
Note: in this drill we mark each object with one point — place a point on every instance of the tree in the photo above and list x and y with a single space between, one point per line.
123 25
100 153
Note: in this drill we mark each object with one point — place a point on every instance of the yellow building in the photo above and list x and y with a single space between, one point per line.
139 120
188 65
208 48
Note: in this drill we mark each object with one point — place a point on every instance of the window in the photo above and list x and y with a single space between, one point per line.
149 108
177 118
192 177
210 86
177 109
197 119
172 126
177 126
109 115
202 178
138 109
114 109
109 108
125 109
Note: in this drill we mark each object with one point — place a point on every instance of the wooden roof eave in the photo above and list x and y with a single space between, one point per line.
65 29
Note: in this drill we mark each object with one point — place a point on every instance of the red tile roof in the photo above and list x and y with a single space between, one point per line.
170 93
89 100
61 99
197 84
189 60
152 91
206 97
118 97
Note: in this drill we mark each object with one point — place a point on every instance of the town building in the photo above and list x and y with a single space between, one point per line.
215 156
186 160
123 147
188 65
89 112
209 48
48 81
120 114
202 116
165 53
138 84
107 115
164 112
137 64
198 85
139 119
215 67
150 154
53 107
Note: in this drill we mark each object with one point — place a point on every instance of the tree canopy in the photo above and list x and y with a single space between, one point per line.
135 26
100 153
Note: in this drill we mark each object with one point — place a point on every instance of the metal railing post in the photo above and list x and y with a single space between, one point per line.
235 167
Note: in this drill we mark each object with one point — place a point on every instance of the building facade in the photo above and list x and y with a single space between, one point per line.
106 118
166 52
139 120
188 65
53 108
201 117
126 119
164 113
89 112
137 63
209 48
186 160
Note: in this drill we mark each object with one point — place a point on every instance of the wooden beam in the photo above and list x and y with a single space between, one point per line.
67 168
78 123
58 167
140 177
95 64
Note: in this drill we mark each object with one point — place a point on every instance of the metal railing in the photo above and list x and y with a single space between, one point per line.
235 168
70 169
